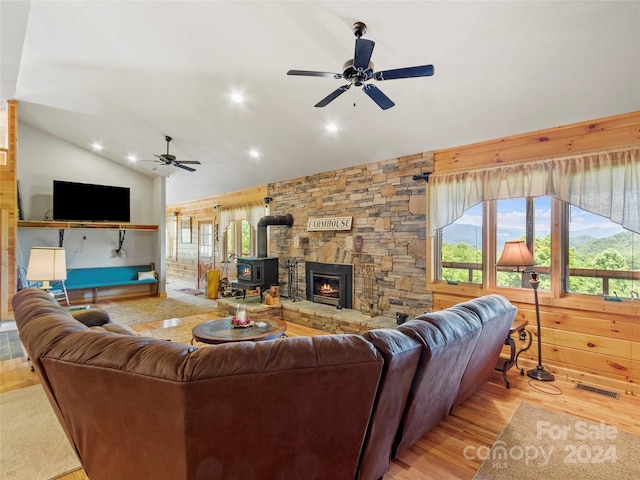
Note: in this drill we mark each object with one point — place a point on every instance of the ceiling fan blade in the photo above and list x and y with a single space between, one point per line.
332 96
408 72
362 55
377 96
184 167
309 73
194 162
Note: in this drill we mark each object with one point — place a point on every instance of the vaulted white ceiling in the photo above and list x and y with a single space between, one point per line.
127 73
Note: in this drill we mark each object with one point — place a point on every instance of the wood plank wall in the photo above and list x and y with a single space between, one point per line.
584 339
9 212
564 140
183 269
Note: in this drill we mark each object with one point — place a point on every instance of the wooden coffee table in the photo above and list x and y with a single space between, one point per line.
221 331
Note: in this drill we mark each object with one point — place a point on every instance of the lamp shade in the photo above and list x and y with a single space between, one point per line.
47 263
516 254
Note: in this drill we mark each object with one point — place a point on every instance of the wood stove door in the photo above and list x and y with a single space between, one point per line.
205 252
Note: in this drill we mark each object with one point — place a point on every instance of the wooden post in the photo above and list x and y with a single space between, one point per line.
8 206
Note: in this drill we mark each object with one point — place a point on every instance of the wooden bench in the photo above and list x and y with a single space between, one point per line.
100 277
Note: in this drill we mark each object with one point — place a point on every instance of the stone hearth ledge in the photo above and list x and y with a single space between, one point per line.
303 312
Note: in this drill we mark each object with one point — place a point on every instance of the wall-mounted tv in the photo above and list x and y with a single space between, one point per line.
86 202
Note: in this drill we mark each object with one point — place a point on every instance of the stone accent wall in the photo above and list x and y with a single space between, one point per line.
388 235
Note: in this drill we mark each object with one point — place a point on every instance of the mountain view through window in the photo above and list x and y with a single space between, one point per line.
602 257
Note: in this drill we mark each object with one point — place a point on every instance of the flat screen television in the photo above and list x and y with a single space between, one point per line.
86 202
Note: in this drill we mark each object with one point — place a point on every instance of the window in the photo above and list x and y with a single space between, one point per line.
205 242
239 239
461 248
527 219
534 201
603 256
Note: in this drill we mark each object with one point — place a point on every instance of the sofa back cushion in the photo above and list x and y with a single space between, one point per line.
448 338
288 408
496 314
401 354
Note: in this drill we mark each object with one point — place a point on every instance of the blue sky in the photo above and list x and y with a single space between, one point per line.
511 214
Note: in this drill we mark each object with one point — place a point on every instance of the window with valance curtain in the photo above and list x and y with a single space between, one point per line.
237 214
252 212
606 183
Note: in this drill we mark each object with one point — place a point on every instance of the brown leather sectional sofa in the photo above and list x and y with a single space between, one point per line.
327 407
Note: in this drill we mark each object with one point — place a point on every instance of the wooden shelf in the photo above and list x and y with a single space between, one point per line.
67 225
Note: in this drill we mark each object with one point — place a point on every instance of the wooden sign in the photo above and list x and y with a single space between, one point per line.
329 223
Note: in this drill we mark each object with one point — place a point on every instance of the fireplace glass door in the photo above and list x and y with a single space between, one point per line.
326 289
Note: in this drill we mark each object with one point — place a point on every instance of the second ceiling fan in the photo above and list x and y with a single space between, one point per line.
360 69
168 159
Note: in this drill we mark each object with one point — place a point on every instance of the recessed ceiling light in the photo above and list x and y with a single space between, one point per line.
132 158
96 146
237 97
331 127
254 153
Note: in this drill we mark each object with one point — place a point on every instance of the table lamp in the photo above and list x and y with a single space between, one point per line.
516 254
47 264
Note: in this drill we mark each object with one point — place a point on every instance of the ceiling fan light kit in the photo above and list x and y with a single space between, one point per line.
360 69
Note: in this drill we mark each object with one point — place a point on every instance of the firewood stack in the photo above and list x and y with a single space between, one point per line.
272 297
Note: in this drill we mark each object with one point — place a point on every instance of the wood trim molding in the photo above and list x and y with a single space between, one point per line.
579 137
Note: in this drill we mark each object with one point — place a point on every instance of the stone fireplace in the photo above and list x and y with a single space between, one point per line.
330 283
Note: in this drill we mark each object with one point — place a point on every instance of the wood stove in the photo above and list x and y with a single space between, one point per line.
261 271
330 283
252 272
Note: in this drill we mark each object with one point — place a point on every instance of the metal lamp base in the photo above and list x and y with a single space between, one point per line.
540 374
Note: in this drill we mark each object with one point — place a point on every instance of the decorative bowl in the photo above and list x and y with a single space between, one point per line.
247 322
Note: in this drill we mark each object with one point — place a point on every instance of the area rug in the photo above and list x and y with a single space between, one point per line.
33 446
149 309
539 444
192 291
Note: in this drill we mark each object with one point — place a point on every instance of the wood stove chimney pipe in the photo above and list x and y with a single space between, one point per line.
263 223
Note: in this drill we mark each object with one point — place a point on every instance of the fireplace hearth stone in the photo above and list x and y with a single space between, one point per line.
309 314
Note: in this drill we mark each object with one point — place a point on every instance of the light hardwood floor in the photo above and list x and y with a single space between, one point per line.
439 454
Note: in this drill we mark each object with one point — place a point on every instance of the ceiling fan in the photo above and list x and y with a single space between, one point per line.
360 69
168 159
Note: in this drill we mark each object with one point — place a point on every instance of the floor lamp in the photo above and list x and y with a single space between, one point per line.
516 254
47 264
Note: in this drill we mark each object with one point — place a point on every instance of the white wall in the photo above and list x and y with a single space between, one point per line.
90 247
43 158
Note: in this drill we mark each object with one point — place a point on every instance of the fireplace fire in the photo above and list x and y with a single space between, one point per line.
330 283
326 289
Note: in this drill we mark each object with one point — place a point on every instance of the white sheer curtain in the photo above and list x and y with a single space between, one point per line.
251 212
606 183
